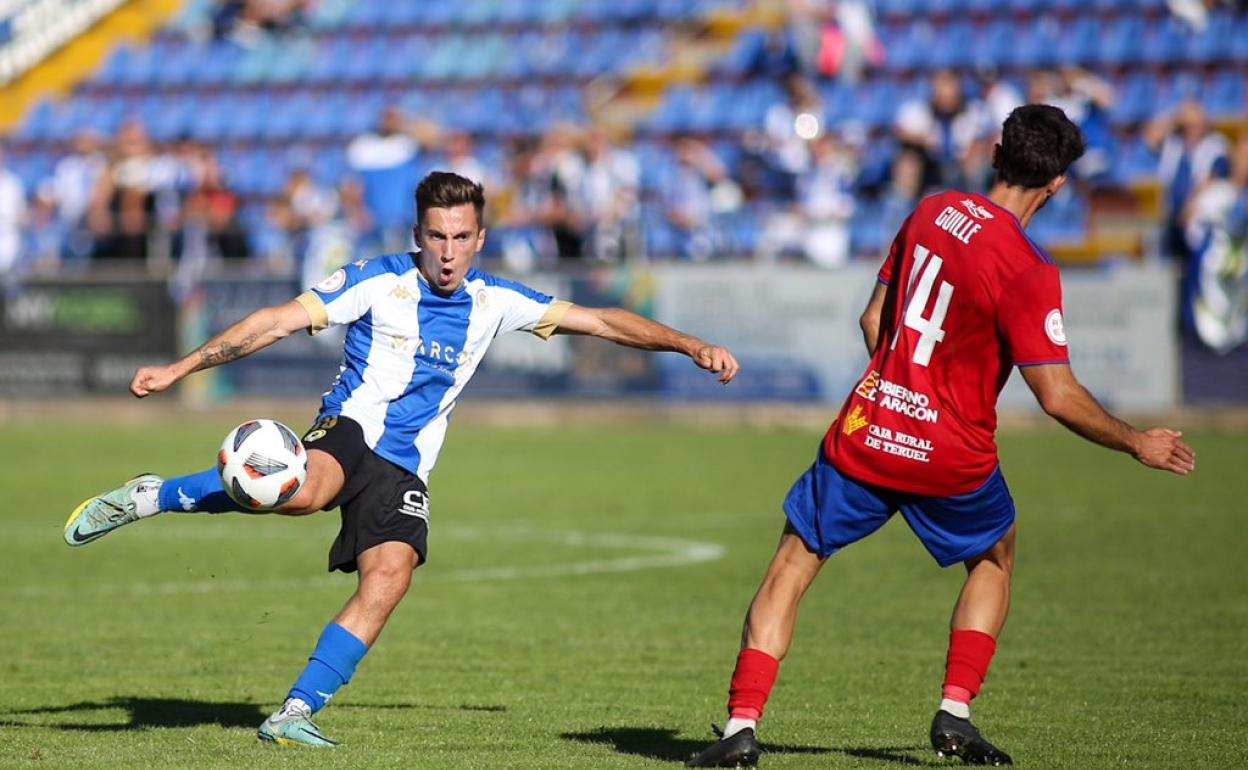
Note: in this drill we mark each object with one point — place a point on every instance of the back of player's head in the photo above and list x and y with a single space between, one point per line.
444 190
1038 144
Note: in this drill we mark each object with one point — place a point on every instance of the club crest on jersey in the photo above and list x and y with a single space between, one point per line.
854 421
1054 327
977 211
867 387
334 282
482 299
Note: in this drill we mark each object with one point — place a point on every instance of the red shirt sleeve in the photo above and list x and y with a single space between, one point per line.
1031 318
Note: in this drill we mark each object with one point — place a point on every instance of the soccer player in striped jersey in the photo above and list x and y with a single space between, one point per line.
418 325
963 297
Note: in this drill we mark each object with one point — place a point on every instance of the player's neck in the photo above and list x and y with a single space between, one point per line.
1022 202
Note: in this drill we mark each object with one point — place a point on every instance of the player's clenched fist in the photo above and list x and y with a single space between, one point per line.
1165 450
716 359
152 379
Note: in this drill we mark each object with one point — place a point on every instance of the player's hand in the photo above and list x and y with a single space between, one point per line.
1164 450
719 360
152 379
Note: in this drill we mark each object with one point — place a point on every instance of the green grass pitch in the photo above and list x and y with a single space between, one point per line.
582 606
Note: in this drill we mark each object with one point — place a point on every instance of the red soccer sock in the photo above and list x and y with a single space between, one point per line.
751 685
970 654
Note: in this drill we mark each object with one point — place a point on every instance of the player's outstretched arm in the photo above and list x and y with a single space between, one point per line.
631 330
255 332
1065 400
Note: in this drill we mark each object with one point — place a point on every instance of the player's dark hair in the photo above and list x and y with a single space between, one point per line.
444 190
1038 144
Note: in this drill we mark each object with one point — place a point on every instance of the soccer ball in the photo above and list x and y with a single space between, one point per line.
262 464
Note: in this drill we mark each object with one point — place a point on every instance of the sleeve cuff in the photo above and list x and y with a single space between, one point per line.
1025 364
316 311
551 319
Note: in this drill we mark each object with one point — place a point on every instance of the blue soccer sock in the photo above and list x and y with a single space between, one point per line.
200 492
333 662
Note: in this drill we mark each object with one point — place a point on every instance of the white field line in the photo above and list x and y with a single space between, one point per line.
655 553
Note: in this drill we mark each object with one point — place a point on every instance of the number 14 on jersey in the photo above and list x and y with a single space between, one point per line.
915 303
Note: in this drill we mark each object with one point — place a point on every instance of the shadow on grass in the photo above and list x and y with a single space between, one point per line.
176 712
147 712
662 744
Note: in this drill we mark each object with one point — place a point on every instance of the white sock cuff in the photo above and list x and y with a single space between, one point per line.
735 726
957 708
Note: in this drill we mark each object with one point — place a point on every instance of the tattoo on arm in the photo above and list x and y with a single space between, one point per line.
224 351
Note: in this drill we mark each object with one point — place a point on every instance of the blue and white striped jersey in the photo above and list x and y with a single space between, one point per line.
409 351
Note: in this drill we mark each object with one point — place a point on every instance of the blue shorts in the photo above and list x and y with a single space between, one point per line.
830 511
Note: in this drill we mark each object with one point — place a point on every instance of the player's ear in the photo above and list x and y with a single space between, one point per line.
1058 182
480 239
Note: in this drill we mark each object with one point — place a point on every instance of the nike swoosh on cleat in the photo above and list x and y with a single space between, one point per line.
80 538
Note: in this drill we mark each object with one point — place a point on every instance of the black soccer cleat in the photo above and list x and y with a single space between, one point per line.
740 750
957 737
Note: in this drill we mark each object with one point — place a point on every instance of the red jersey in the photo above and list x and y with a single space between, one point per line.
969 297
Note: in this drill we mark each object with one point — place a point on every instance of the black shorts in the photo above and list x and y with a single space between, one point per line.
380 501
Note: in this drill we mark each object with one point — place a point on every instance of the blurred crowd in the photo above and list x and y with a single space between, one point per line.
793 187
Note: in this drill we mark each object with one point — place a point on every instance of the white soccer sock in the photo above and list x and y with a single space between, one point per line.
146 499
957 708
735 726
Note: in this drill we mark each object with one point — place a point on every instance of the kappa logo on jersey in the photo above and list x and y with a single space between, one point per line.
334 282
1054 327
400 292
977 211
415 503
854 421
867 387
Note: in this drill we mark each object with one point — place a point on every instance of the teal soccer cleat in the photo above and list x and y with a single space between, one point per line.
292 725
97 516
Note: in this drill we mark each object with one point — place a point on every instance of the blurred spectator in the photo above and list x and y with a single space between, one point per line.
246 22
610 198
209 221
385 161
12 218
905 188
461 159
70 188
787 127
120 216
555 174
950 131
1086 99
817 226
777 57
1188 150
698 190
847 43
1214 219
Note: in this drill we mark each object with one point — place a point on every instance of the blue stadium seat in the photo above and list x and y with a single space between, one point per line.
216 64
1080 41
1135 99
1226 96
1037 45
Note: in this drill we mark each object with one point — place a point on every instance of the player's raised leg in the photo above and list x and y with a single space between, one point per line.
978 618
765 640
148 495
385 575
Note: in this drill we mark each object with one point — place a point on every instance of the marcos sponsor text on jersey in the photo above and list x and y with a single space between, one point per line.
409 351
969 297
